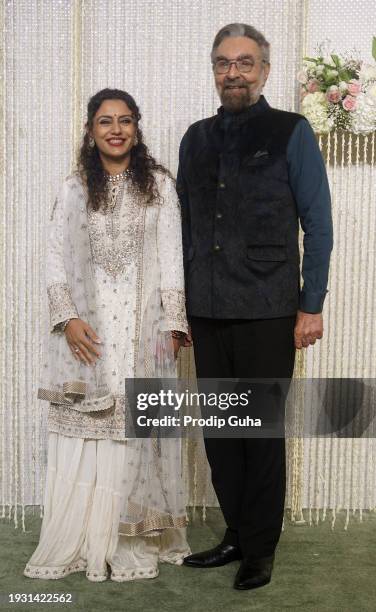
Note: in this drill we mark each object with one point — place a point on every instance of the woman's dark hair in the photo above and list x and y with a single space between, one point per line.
142 164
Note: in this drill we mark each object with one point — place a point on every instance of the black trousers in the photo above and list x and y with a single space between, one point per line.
248 475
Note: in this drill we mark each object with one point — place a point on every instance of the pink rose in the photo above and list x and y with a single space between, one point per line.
333 94
354 87
349 103
313 85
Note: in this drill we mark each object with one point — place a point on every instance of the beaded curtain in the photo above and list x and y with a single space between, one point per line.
55 54
341 473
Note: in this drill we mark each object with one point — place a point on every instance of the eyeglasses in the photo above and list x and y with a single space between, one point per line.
222 66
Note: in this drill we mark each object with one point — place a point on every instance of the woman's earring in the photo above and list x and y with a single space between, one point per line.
135 142
91 142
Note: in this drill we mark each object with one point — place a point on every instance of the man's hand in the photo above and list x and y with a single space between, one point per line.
308 329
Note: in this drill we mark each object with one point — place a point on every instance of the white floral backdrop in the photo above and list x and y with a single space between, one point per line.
54 55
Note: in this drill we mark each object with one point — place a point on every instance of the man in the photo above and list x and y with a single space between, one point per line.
246 177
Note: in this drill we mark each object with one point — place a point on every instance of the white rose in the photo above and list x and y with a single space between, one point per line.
363 119
342 86
371 92
367 72
314 99
320 69
315 108
332 73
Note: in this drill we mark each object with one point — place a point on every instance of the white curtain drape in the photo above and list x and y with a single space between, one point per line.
54 55
340 473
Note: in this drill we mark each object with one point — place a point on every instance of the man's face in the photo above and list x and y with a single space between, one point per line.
237 90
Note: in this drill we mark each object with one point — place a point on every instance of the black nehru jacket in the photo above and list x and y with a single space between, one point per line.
240 218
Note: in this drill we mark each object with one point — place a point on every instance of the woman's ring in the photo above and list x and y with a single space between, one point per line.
76 350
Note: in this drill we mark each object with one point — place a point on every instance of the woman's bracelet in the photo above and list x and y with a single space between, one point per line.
178 334
64 324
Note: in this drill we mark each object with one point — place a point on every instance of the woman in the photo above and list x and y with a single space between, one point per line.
116 298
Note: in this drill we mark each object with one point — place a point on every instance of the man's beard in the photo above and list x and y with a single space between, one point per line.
235 103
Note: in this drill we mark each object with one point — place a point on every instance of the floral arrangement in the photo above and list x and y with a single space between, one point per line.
339 92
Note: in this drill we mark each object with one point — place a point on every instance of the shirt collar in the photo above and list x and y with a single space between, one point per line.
227 118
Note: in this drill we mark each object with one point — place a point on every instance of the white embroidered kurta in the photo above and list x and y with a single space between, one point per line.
136 251
92 470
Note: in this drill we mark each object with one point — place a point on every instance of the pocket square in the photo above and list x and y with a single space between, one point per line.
261 153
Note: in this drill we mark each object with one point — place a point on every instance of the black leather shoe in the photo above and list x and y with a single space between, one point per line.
215 557
254 573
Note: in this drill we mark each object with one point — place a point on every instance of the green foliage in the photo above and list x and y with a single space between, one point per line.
311 59
346 75
336 60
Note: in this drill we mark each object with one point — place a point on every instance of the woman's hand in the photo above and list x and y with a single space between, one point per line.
177 342
82 341
181 339
188 338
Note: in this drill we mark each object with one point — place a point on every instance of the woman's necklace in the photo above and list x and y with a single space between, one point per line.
116 178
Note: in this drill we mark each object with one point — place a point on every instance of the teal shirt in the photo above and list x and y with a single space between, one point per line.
309 184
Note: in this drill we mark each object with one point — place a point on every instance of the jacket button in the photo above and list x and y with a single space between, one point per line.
222 185
219 215
217 247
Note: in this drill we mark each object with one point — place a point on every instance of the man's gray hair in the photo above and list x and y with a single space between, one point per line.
242 29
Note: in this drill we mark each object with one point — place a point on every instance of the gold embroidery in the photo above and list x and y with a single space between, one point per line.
114 240
99 425
152 522
112 216
173 302
73 395
41 571
60 303
139 287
